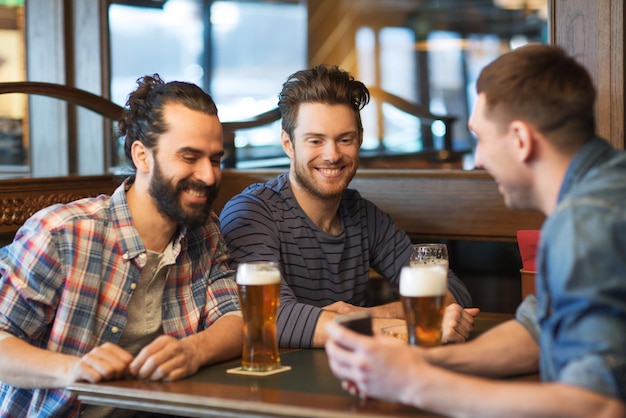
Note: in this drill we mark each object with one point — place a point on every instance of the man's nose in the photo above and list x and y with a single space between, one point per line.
331 152
206 172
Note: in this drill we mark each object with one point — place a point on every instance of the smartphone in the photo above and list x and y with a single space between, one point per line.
360 322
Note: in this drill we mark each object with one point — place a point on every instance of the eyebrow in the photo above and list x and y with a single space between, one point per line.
196 151
341 134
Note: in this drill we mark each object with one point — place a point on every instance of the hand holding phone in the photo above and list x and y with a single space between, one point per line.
360 322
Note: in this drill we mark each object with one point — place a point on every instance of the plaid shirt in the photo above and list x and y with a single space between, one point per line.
67 279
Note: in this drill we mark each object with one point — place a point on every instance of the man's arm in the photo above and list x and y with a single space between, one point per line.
26 366
31 276
475 396
23 365
252 234
505 350
387 369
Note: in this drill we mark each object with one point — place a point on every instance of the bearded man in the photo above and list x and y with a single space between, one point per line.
133 284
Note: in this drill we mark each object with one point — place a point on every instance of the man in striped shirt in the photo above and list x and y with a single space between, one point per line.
325 236
134 284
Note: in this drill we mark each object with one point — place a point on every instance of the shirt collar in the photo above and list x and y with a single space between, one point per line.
127 234
594 152
122 221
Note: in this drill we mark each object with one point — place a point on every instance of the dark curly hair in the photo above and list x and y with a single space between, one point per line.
143 119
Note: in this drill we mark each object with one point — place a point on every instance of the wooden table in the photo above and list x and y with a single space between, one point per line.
308 390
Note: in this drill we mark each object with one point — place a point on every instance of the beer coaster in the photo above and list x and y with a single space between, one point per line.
238 370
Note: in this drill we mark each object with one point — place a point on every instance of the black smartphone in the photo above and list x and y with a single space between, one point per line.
360 322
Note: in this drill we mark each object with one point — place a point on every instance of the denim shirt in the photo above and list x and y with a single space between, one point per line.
579 314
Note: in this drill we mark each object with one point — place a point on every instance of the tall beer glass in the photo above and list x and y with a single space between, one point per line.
422 293
259 296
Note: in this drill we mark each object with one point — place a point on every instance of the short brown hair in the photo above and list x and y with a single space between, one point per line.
541 85
321 84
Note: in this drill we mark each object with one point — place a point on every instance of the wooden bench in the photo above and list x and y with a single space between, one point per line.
21 197
427 204
462 208
435 204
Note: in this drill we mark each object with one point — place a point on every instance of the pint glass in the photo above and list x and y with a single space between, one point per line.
259 296
423 293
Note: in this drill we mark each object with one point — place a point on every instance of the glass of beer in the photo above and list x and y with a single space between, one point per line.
422 293
259 296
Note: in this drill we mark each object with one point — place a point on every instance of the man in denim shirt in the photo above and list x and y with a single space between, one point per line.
534 120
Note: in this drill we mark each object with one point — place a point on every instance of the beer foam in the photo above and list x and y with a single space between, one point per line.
431 261
257 275
424 280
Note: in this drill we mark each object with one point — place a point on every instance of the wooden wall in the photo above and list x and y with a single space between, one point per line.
593 32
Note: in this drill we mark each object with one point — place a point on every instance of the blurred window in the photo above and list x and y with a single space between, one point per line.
13 107
239 52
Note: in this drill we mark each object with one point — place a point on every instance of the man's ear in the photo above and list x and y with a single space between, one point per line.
524 139
287 144
141 156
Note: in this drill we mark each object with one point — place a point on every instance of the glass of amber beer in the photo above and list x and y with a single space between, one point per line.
259 296
422 293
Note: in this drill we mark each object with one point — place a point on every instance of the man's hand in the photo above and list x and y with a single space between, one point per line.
166 358
379 367
342 308
105 362
457 323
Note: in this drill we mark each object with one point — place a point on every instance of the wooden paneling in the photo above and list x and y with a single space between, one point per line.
427 204
593 32
442 204
463 208
20 198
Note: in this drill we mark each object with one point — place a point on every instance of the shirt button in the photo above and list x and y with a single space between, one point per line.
133 286
126 256
114 330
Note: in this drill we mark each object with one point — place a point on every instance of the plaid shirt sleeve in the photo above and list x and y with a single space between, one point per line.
31 277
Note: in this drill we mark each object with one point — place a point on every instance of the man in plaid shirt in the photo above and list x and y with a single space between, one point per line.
133 284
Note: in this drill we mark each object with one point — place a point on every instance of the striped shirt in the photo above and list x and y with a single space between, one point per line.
68 277
265 222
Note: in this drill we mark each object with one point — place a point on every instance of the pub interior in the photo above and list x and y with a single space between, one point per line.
419 56
84 46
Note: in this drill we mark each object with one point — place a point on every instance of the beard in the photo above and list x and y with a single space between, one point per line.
309 183
167 198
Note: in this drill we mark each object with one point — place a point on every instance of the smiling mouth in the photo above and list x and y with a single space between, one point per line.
196 192
330 171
